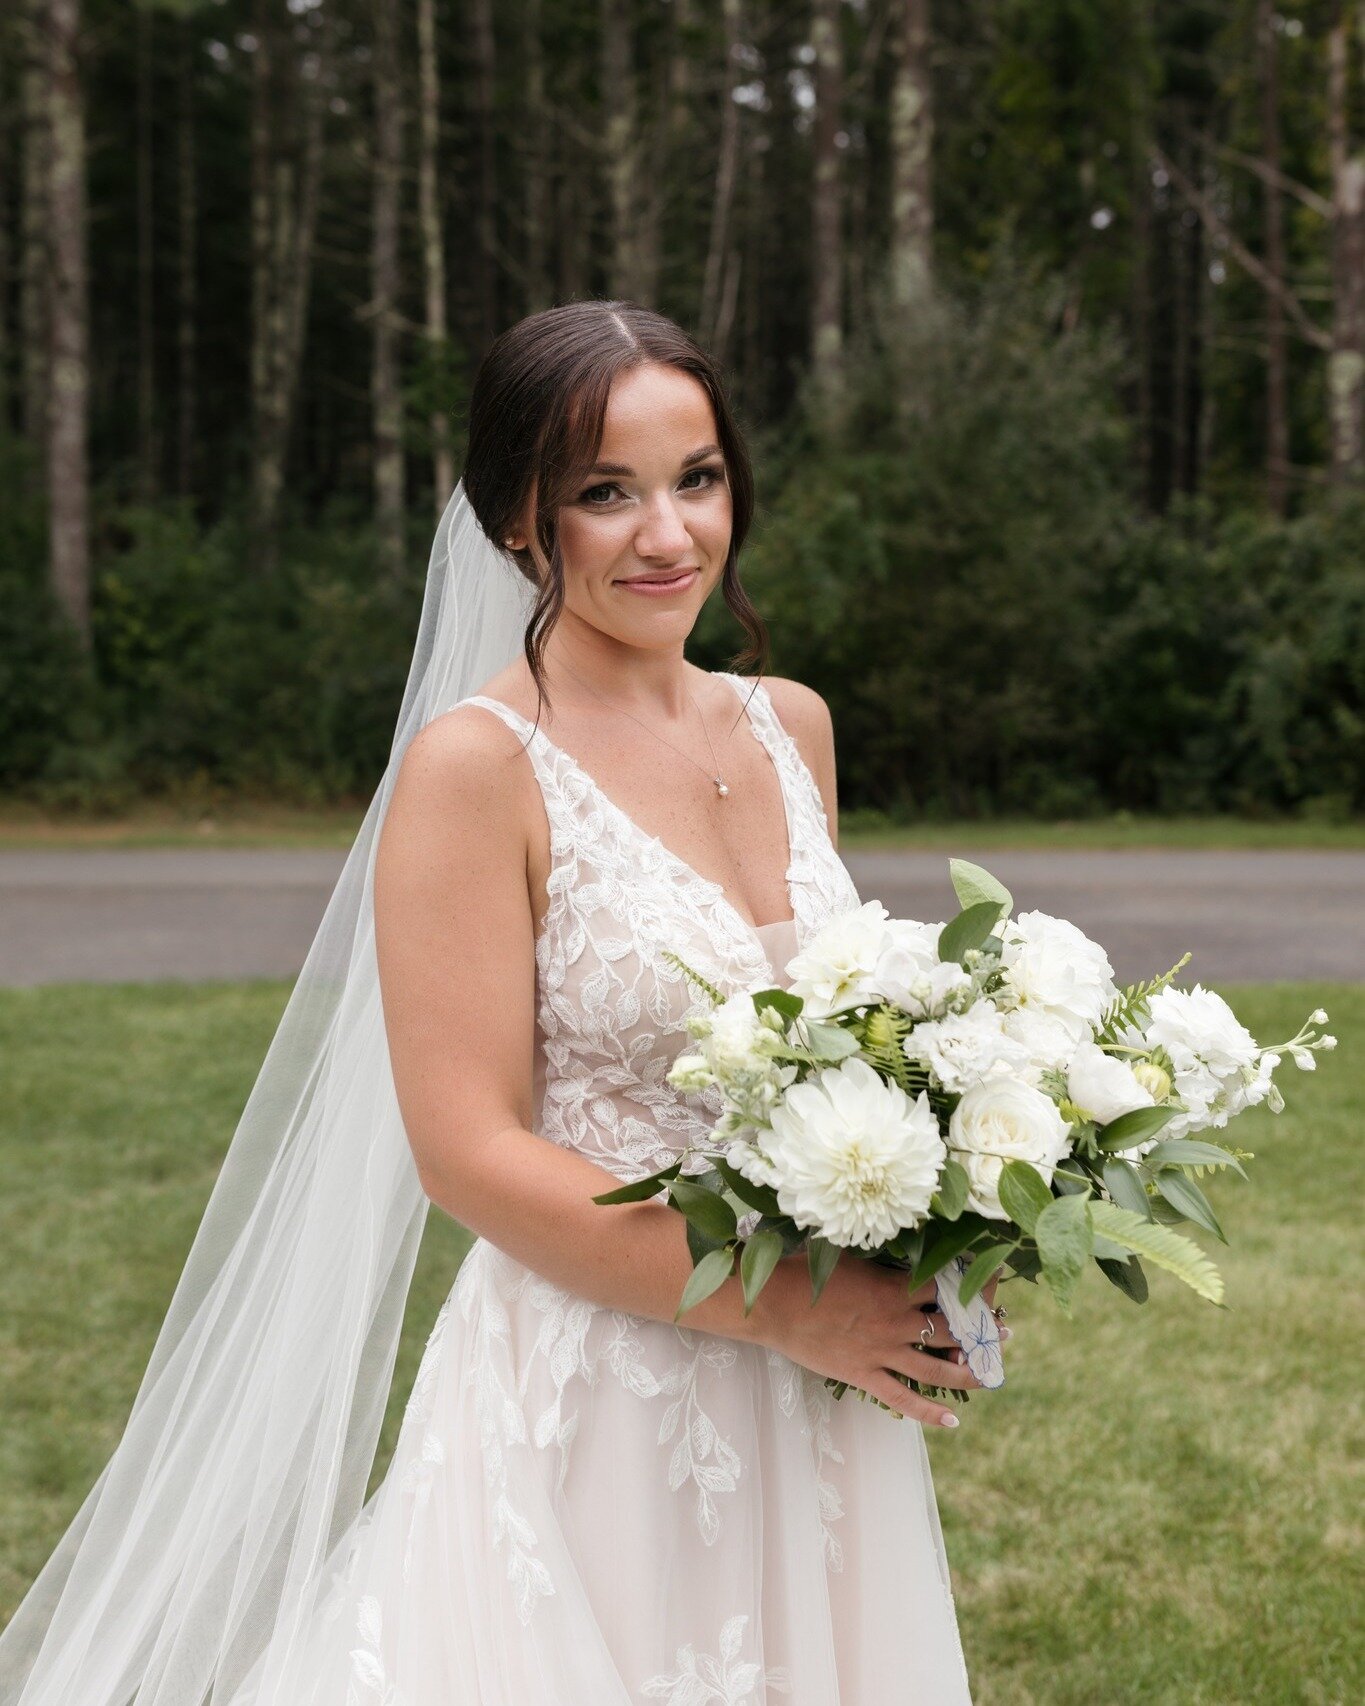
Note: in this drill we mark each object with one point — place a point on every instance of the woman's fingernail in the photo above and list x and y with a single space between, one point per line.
1007 1332
949 1420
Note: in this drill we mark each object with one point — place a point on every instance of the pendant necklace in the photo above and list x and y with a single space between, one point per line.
722 787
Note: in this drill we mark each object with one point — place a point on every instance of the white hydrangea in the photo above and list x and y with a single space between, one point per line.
1004 1120
851 1156
963 1048
1048 964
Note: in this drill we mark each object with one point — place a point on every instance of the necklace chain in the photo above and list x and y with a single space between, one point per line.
722 787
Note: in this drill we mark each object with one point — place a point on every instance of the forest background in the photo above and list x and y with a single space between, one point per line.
1045 319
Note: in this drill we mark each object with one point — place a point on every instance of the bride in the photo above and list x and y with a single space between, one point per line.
588 1504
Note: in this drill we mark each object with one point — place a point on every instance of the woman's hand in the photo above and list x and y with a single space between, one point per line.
865 1329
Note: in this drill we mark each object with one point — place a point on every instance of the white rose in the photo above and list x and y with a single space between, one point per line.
963 1048
1003 1120
1103 1086
852 1156
1047 963
837 967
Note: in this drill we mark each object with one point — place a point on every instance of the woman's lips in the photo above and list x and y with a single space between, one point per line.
661 589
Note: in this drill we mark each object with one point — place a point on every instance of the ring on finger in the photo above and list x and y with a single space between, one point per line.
1000 1312
926 1332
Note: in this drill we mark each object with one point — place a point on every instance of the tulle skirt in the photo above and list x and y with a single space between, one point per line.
587 1508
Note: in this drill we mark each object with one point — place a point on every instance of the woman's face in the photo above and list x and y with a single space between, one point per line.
655 504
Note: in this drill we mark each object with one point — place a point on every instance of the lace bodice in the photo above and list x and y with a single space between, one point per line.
610 1005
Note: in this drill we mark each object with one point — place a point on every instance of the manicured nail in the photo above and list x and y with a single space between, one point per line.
1007 1332
949 1420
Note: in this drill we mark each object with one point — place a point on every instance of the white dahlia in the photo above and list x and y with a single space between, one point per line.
852 1157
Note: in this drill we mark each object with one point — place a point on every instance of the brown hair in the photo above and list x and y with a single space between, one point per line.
535 425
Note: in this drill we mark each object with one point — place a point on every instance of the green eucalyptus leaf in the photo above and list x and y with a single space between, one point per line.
949 1200
709 1213
1124 1183
639 1189
787 1004
968 930
951 1241
762 1252
1023 1194
710 1273
985 1263
1126 1275
1064 1237
1186 1152
761 1197
822 1258
830 1042
1133 1128
1183 1194
973 884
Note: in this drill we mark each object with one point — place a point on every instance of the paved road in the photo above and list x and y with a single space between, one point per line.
111 915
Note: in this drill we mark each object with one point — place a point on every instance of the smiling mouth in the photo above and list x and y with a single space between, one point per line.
662 580
661 584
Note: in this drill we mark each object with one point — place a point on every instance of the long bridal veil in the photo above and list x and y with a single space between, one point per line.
196 1555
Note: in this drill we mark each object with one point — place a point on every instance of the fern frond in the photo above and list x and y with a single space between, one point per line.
1170 1250
883 1031
694 976
1130 1007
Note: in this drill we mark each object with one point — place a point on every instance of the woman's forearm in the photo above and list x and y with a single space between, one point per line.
533 1199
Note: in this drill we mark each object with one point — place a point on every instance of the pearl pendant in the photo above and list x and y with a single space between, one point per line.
721 788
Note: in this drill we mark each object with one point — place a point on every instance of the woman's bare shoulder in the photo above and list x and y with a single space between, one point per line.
466 771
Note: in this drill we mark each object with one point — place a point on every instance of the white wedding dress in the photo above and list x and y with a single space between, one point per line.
590 1508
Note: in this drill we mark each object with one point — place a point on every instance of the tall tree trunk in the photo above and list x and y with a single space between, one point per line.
146 260
35 254
827 259
285 180
266 467
386 396
539 288
718 250
7 155
912 136
620 145
68 415
1346 358
188 285
433 240
485 90
1276 358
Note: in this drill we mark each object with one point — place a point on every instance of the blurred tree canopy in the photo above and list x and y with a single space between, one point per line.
1046 319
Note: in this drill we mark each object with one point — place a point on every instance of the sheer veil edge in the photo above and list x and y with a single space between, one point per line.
193 1563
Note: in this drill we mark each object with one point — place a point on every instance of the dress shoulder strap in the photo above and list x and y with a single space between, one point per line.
801 787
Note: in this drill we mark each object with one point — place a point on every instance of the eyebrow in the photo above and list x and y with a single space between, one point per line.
629 473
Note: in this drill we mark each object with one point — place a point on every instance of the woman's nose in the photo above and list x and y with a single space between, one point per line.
662 532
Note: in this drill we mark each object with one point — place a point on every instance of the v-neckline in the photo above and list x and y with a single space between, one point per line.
680 865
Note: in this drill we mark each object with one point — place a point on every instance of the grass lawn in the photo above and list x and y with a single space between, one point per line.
244 824
1162 1508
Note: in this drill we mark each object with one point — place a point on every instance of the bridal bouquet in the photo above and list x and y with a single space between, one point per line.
962 1100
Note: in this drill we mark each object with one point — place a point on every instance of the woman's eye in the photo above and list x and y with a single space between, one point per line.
710 475
587 496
